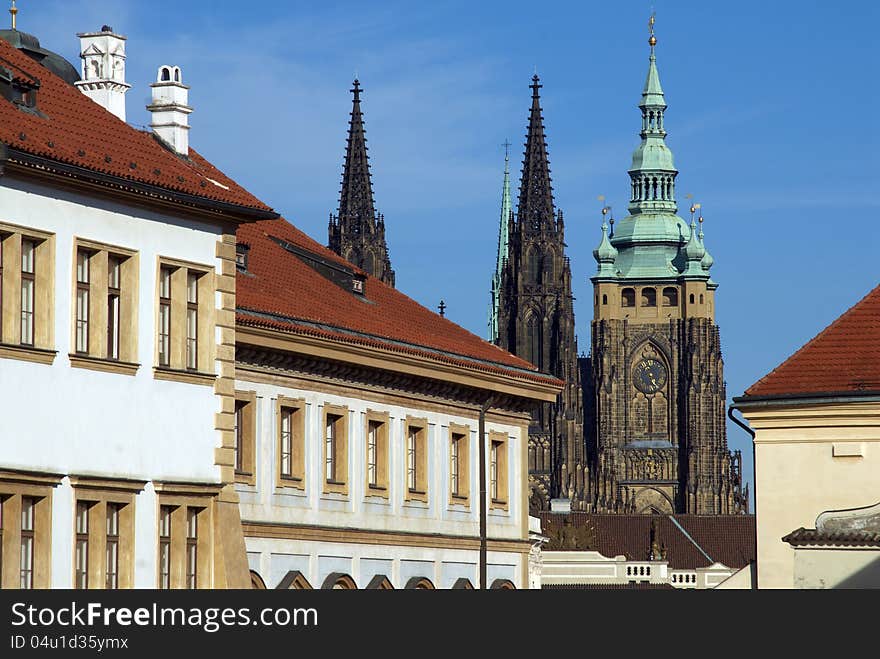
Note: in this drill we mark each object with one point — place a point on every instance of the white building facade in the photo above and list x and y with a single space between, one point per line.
116 342
359 468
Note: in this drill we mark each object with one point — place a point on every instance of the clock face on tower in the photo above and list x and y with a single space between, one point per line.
649 376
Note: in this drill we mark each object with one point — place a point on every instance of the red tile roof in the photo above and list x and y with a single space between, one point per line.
281 291
77 131
843 359
690 540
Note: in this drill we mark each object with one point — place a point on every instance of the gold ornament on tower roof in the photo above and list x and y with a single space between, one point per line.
13 11
652 41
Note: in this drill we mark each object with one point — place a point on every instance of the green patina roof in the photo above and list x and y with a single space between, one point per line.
653 242
503 243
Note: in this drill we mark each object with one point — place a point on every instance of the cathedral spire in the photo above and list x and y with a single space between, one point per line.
357 233
503 246
535 211
653 172
356 197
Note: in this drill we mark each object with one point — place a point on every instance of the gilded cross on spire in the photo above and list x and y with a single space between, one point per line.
652 40
12 12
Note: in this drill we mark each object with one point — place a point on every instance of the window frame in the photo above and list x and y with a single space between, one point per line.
499 499
180 499
245 437
15 486
112 315
102 495
296 408
339 483
461 435
178 309
41 348
378 487
417 490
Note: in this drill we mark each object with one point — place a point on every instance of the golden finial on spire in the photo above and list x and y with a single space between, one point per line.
13 11
652 41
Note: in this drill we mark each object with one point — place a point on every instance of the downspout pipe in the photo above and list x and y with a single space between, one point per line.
751 432
482 451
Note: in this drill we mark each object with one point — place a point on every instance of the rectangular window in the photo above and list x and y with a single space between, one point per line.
112 546
286 442
165 316
373 428
245 437
493 471
82 301
411 459
165 546
238 428
185 324
81 559
330 462
192 321
498 484
290 414
335 441
2 238
192 548
113 300
28 292
455 465
27 543
1 533
416 460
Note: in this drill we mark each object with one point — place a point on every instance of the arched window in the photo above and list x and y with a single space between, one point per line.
176 74
419 583
533 341
534 268
502 584
338 581
166 74
604 299
649 297
628 297
701 298
692 298
670 297
257 582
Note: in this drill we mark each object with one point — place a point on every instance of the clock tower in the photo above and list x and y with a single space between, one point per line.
657 441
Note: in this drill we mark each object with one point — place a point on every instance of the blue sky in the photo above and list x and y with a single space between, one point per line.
772 120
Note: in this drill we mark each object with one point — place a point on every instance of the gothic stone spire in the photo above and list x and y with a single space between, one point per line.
357 233
535 212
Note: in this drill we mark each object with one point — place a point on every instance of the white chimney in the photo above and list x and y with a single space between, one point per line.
170 110
103 69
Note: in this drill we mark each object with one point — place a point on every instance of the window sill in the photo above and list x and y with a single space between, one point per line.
104 365
188 377
245 478
27 353
290 482
457 500
335 487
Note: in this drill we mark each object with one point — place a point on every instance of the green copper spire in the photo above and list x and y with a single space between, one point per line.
605 254
503 243
653 242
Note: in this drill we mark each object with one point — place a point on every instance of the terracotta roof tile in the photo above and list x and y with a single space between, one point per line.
844 358
280 290
77 131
